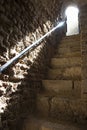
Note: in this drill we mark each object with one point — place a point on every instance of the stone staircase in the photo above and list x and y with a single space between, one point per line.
61 94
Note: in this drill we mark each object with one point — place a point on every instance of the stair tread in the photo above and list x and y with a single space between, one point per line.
65 62
67 50
64 43
36 123
69 54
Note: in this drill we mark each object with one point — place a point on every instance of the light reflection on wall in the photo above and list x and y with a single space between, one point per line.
20 68
4 86
72 20
23 63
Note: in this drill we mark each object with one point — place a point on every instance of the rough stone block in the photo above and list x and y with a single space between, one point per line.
60 88
67 49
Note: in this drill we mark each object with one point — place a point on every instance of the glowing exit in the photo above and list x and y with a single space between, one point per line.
72 20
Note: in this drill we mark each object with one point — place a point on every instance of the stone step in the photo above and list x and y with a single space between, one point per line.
64 50
38 123
65 62
71 38
72 73
62 88
72 44
61 108
67 54
69 44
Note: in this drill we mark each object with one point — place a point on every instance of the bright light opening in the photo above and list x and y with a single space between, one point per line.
72 20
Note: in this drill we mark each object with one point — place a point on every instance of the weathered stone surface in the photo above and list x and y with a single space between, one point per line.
65 73
65 62
62 88
58 87
69 48
71 54
69 44
73 38
68 109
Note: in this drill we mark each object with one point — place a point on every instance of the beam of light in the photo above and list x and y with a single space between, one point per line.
60 24
2 68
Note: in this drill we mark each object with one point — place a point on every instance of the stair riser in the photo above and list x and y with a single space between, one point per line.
72 41
65 62
69 44
67 50
61 108
67 73
67 55
68 109
62 88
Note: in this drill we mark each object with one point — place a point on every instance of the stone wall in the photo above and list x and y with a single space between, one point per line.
84 50
21 23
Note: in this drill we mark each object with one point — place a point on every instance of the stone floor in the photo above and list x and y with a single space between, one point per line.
38 124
